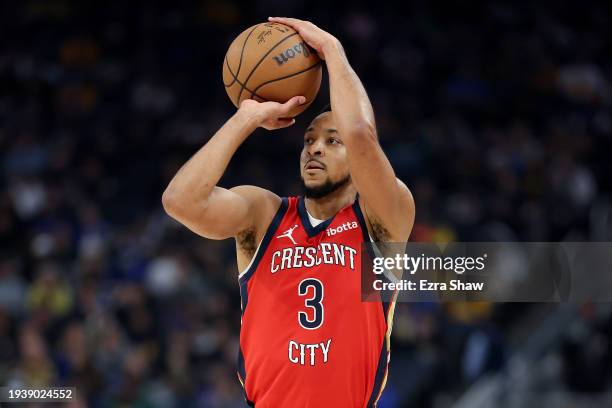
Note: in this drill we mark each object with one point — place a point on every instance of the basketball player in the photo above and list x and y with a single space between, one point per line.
306 338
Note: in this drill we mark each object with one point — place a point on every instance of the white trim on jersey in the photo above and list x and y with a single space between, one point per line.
314 221
386 272
245 270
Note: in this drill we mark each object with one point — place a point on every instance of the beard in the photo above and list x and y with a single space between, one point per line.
324 189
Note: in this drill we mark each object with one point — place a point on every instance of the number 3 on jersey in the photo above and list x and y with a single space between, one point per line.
314 288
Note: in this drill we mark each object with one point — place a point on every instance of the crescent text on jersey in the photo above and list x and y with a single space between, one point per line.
328 253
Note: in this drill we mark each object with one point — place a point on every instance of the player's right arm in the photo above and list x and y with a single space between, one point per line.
193 197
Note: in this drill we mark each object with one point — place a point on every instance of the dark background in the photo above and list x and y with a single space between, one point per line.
496 115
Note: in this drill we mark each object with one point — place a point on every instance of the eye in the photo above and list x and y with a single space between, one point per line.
308 141
333 140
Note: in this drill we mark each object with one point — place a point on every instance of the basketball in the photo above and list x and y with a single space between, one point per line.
271 62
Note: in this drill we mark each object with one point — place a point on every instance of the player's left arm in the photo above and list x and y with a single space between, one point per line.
388 201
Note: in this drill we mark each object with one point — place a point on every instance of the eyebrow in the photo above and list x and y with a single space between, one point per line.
328 130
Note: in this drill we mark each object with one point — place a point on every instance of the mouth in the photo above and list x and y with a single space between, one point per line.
314 165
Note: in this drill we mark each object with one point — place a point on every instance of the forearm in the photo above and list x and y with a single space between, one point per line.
193 198
198 177
371 172
354 117
350 103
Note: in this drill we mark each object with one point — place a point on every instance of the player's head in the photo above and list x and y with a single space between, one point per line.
323 162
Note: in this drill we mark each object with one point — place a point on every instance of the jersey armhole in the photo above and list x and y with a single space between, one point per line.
265 241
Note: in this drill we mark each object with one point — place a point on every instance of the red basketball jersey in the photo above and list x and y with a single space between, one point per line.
307 339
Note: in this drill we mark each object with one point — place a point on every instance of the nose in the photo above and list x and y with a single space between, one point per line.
316 149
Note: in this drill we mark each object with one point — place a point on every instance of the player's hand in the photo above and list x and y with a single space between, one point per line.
270 115
314 36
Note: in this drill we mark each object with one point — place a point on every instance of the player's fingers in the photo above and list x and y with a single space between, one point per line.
296 23
293 22
287 19
278 123
292 103
284 122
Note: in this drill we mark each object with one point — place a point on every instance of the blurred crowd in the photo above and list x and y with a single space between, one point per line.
497 116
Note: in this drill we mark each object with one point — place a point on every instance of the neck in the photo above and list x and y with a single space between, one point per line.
328 206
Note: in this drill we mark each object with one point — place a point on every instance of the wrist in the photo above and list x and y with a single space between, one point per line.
331 46
248 119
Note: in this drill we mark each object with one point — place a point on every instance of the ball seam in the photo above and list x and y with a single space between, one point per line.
253 92
241 56
246 81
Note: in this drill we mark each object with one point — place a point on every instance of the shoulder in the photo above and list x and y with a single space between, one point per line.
263 205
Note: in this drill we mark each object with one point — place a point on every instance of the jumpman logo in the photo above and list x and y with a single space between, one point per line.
288 234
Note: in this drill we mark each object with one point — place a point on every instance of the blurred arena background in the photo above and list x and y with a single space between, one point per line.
497 115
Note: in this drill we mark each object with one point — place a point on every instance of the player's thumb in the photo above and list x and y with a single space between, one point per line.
292 103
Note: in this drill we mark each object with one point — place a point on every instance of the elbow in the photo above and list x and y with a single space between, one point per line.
170 202
181 205
363 131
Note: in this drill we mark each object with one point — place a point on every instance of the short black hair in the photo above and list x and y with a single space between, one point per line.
326 108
